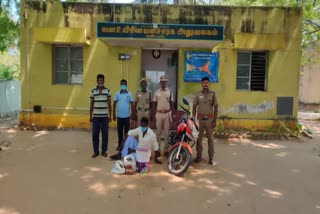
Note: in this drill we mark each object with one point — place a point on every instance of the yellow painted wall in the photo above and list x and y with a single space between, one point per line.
60 102
283 71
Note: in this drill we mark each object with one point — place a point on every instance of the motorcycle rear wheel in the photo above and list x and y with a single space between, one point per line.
180 165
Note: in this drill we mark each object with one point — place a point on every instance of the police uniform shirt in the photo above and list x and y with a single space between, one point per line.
205 102
163 98
143 99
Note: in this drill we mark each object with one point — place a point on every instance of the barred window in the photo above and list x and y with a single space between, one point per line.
251 71
68 64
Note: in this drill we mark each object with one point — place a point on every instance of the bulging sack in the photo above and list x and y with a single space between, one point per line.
129 163
118 168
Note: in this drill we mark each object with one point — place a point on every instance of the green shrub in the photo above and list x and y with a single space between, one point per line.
9 72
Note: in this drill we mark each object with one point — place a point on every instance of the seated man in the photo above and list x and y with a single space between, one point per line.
128 146
147 140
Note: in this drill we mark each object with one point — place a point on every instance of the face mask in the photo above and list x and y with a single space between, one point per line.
144 88
143 129
123 87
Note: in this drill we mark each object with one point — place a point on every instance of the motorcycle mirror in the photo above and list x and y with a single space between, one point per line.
185 101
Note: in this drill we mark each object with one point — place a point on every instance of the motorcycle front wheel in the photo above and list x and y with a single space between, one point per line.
180 165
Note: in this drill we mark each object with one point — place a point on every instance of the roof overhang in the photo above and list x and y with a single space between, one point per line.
59 35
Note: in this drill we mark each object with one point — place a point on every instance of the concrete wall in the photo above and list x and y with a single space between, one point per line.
277 30
309 82
9 98
309 85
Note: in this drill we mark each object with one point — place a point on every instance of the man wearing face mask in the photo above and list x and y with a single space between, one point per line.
143 101
100 116
146 140
124 100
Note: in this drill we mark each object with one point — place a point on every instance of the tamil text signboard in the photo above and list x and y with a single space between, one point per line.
160 31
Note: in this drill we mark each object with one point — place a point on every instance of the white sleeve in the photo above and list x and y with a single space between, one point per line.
134 132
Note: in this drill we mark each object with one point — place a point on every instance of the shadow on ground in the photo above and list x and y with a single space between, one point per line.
52 172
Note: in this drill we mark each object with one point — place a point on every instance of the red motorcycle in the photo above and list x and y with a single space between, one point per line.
181 141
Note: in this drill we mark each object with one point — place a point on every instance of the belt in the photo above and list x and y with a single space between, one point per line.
205 116
143 109
163 111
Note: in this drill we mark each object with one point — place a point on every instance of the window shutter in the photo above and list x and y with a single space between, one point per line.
68 64
258 71
61 65
243 70
76 65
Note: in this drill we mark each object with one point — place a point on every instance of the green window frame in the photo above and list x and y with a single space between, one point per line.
68 64
252 70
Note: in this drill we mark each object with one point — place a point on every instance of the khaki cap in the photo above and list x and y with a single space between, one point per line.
163 79
143 79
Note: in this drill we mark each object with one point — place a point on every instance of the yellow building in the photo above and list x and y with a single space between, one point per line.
252 53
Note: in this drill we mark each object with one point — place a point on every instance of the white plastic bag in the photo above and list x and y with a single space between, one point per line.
130 163
118 168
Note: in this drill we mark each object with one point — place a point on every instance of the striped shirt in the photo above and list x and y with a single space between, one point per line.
100 101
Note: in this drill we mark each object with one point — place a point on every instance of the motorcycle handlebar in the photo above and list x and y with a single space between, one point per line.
184 109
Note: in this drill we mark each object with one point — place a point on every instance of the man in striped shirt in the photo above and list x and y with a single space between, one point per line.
100 112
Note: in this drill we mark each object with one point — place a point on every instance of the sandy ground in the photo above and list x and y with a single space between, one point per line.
52 172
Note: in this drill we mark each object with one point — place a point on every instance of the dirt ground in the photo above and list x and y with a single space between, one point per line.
52 172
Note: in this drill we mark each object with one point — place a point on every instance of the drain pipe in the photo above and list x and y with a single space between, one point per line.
121 69
127 70
28 70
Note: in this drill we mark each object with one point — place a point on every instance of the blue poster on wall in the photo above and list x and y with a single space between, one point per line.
201 64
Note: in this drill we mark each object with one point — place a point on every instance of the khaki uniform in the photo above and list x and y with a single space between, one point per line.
143 105
205 103
163 113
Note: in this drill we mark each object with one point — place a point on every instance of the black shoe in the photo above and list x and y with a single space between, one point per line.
157 161
95 155
156 156
197 160
104 154
116 156
166 154
212 162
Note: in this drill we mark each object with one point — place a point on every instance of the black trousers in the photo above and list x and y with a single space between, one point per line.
123 124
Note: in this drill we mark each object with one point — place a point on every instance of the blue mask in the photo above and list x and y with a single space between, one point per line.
123 87
143 129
